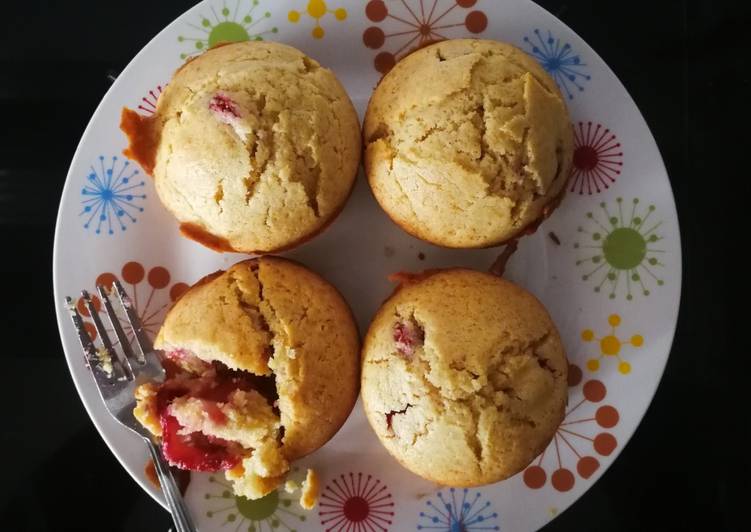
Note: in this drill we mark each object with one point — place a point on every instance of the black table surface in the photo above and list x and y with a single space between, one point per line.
686 65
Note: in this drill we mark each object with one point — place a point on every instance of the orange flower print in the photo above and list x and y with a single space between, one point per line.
151 292
406 25
579 438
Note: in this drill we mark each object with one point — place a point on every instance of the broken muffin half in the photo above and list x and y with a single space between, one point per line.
261 369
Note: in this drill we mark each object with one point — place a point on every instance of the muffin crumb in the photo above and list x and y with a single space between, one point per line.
105 360
291 486
310 490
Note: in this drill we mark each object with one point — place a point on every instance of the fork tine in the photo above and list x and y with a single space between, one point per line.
121 338
89 349
144 344
118 370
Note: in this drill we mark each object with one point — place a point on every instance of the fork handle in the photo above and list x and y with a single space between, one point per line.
175 501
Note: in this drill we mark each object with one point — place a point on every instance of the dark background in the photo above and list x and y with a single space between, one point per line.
686 65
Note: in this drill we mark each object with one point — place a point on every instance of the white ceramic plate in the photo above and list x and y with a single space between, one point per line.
606 264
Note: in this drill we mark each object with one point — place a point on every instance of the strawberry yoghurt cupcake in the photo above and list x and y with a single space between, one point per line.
262 367
254 147
468 143
463 377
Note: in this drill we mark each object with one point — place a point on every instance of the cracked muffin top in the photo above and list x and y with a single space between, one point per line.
271 316
463 377
254 147
262 367
467 143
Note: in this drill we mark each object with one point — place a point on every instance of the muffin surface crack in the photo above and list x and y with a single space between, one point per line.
487 119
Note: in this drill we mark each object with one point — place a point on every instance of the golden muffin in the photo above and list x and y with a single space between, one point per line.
254 147
262 367
467 143
463 377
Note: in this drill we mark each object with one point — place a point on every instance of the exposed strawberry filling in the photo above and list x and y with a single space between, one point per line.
196 451
224 109
408 336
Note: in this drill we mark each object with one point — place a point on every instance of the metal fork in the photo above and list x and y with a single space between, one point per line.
117 375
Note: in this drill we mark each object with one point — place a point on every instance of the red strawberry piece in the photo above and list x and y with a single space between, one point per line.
224 109
408 335
195 451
